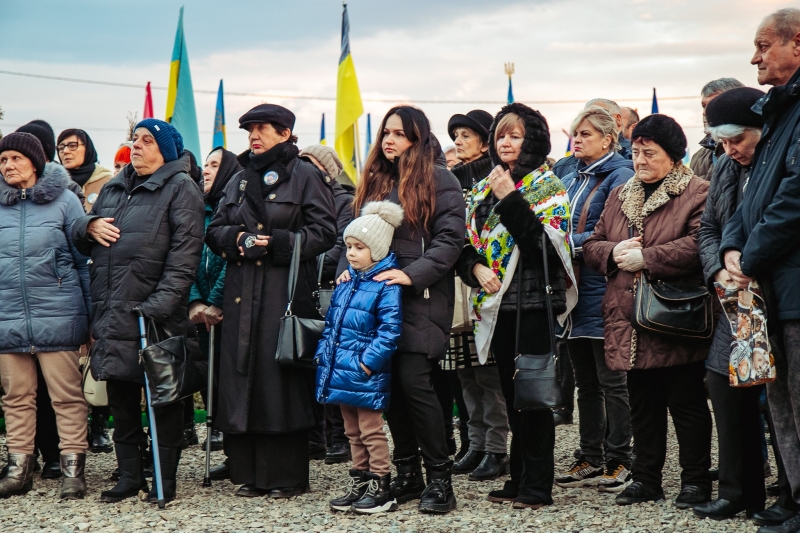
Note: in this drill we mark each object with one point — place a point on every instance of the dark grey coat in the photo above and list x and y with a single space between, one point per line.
257 394
151 266
44 280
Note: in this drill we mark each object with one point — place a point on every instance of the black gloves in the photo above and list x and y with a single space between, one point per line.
247 242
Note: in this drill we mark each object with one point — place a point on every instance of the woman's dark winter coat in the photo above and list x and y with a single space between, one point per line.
45 280
725 190
343 203
209 284
522 223
152 266
427 257
468 174
257 394
764 227
587 317
670 253
363 326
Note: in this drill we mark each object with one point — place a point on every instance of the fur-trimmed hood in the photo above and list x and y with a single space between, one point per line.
632 194
535 145
46 189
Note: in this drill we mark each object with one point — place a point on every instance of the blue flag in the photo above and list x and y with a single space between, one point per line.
180 95
369 136
322 131
510 92
654 110
220 138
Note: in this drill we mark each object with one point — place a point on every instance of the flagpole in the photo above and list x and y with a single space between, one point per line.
357 151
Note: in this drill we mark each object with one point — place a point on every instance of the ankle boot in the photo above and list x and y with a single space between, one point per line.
131 475
378 497
169 470
189 434
73 483
100 442
492 466
408 484
19 479
438 496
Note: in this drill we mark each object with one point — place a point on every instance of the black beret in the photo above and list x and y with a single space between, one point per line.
734 107
268 113
663 131
477 120
28 145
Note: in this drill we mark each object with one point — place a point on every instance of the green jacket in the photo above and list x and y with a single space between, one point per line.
210 282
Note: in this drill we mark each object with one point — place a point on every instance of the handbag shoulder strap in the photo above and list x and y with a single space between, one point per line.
585 209
548 295
294 270
320 264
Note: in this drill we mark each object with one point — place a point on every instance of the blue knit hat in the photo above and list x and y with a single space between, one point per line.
169 141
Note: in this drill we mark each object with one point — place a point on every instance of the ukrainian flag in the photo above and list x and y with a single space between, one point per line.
220 139
348 105
322 140
180 95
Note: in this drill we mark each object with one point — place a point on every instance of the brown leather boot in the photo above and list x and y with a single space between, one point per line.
73 483
20 475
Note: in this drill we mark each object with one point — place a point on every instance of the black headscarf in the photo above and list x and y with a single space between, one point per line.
228 168
81 174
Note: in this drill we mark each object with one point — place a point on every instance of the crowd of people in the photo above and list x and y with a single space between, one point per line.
439 267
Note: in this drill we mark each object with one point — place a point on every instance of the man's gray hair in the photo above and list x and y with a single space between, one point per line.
729 131
633 117
609 105
720 86
786 22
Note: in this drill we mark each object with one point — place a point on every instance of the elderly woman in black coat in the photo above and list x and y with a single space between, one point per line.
741 473
266 409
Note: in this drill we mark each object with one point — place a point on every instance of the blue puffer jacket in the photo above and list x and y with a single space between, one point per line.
587 317
44 281
363 325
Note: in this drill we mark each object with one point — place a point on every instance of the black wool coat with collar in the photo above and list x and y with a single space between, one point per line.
152 266
257 394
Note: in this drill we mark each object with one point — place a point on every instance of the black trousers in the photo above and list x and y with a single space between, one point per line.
414 414
124 399
47 439
330 426
533 438
679 390
739 430
566 376
448 390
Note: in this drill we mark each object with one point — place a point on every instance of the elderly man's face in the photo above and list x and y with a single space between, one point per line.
776 61
146 157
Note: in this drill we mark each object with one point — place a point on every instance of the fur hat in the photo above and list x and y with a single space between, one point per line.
169 140
326 156
535 145
28 145
375 227
663 131
44 132
734 107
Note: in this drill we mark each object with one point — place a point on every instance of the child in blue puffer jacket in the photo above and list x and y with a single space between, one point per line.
362 327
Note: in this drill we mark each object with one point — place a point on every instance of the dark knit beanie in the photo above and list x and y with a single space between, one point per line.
169 141
734 107
42 131
28 145
663 131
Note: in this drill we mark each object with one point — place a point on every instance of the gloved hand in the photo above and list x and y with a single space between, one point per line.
253 246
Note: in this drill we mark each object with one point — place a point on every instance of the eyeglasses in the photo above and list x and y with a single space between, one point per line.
72 146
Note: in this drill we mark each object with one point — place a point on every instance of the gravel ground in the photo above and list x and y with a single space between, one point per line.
216 509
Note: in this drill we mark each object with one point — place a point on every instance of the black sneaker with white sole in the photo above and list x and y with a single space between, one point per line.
615 478
378 497
581 473
354 491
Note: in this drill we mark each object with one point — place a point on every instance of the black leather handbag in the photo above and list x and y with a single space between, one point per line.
672 309
176 368
322 296
536 383
298 337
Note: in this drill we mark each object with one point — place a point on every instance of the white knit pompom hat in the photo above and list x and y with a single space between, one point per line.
375 227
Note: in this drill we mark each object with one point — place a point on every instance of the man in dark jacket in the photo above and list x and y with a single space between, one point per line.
704 159
762 239
145 236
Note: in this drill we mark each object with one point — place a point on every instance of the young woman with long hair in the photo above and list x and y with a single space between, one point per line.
406 166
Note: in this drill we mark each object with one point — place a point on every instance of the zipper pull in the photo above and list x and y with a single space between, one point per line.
59 283
24 197
426 294
33 348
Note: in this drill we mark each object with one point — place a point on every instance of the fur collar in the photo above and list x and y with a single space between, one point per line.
46 189
632 194
469 174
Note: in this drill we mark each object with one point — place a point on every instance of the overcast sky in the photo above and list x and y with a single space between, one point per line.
404 51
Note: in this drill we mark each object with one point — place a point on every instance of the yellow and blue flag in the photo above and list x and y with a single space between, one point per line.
348 105
180 95
322 140
220 137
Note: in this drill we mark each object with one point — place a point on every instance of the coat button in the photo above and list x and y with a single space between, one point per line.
224 255
237 300
260 225
258 263
272 196
238 263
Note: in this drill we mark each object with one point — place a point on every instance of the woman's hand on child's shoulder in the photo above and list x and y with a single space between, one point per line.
343 277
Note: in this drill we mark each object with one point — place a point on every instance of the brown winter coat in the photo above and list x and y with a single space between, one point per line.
91 188
668 223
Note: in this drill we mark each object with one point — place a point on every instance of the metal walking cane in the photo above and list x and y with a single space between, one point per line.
209 406
151 417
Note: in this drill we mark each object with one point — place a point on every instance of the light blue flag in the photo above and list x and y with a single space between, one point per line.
181 112
220 137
